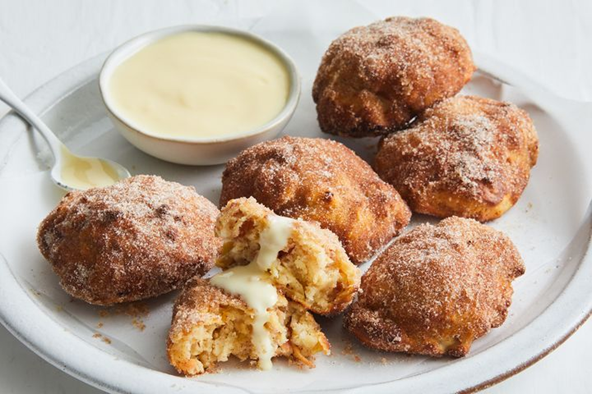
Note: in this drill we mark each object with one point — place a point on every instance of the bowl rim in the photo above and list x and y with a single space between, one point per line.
130 47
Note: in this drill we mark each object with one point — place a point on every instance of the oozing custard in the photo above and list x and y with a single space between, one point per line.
251 283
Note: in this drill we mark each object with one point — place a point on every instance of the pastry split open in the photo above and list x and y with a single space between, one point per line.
309 267
275 270
209 325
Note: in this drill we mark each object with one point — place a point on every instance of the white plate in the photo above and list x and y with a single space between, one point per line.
551 300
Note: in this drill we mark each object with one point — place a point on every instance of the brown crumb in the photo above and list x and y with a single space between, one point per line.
135 310
139 324
293 363
103 338
132 309
348 350
99 325
383 361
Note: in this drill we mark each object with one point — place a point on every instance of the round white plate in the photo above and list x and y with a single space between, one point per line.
549 225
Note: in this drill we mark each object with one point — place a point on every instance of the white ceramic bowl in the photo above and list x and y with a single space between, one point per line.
186 150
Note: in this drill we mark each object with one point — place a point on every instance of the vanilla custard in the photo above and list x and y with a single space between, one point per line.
251 283
200 85
85 172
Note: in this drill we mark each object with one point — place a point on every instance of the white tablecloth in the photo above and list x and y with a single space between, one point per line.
548 40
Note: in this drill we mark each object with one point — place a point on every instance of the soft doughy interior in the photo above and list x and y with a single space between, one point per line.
312 269
213 332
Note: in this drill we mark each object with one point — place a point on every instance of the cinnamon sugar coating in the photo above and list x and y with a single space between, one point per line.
139 238
436 289
466 156
319 180
375 79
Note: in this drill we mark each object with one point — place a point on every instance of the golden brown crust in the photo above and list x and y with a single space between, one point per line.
375 79
312 269
466 156
139 238
319 180
436 289
209 325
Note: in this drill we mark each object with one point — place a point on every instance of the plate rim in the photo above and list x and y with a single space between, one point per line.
17 313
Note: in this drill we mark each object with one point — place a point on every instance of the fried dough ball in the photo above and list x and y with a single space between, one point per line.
436 289
320 180
209 325
467 156
311 268
139 238
375 79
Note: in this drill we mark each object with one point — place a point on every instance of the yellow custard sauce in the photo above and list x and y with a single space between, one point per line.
251 283
200 85
85 172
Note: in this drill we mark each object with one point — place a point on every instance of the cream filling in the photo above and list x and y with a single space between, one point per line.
251 283
272 240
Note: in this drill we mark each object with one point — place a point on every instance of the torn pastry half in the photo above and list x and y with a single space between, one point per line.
305 262
275 271
211 324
